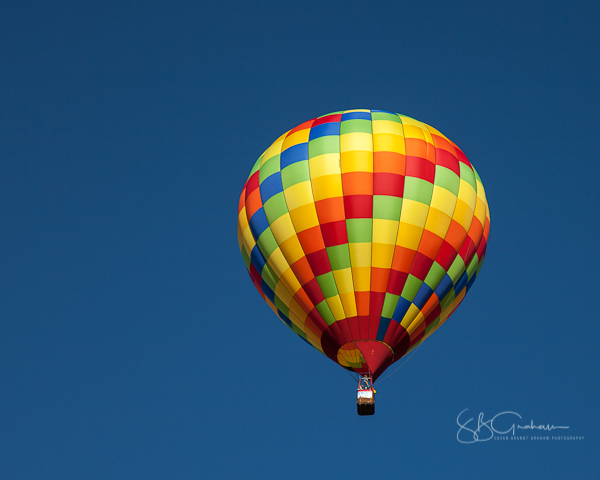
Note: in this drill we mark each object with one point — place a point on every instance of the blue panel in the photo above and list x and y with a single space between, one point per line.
444 287
423 295
384 323
401 309
462 283
270 186
270 294
257 259
324 129
294 154
258 223
471 282
356 116
284 317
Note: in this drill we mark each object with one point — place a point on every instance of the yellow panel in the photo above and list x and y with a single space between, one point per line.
278 262
304 217
349 303
415 324
382 255
248 239
467 194
411 131
433 131
299 313
283 228
343 280
283 293
415 129
443 200
386 142
387 126
413 311
290 281
360 254
357 161
409 236
335 305
291 249
326 164
480 191
362 278
463 214
356 141
480 209
274 149
327 186
438 222
301 136
385 231
242 219
414 212
298 195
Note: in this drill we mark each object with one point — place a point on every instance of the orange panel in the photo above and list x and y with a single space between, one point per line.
379 279
403 258
330 209
357 183
311 240
430 244
389 162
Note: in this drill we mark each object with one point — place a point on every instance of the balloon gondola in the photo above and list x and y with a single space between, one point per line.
363 230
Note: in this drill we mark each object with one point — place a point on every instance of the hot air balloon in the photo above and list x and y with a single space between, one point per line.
363 230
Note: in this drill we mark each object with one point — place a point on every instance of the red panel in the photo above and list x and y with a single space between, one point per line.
353 324
334 233
444 158
455 235
358 206
319 262
421 266
379 279
328 119
397 281
377 355
446 255
302 271
403 258
388 184
314 291
420 168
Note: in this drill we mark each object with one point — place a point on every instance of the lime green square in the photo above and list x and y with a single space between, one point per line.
275 207
297 172
387 207
271 166
267 243
339 256
325 311
446 178
411 287
418 189
467 175
323 145
355 125
390 117
435 275
360 230
327 284
389 305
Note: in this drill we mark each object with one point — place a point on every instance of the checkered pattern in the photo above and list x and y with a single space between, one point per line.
363 225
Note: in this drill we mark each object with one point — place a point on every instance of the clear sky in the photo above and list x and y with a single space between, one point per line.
132 342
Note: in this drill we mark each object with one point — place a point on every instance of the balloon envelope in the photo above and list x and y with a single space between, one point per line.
363 230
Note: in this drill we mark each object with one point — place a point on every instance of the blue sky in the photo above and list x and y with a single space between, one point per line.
132 342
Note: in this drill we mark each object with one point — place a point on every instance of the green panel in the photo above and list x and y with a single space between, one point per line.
297 331
418 189
327 284
256 166
392 117
360 230
332 113
387 207
270 167
456 269
339 256
480 264
431 326
448 299
435 275
267 243
269 276
282 306
472 266
246 258
275 207
325 311
444 177
389 305
467 175
411 287
295 173
355 125
321 145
